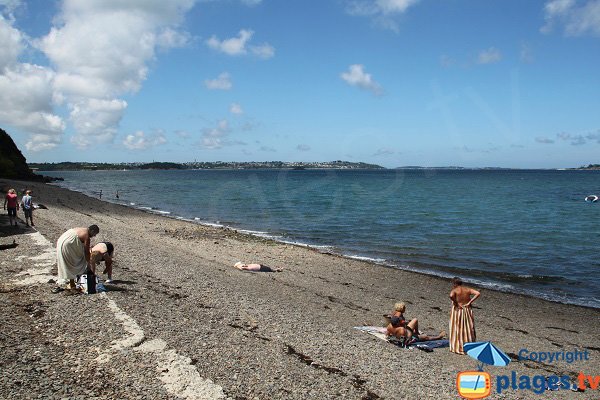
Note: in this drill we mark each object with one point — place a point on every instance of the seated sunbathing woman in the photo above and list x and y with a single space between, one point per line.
408 332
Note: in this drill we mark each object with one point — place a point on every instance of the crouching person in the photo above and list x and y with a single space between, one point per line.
103 251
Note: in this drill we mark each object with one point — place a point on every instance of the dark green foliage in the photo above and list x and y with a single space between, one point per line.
162 165
13 164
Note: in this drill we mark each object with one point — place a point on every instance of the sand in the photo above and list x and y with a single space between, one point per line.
180 322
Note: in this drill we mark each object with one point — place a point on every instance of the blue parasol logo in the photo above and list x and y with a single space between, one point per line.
486 353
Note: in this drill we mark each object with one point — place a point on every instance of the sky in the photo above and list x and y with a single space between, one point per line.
506 83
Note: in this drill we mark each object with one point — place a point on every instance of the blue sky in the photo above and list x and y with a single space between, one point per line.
392 82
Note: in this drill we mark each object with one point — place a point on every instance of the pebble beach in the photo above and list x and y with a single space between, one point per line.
179 322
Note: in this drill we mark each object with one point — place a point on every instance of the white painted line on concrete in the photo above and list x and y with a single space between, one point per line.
44 263
179 376
135 334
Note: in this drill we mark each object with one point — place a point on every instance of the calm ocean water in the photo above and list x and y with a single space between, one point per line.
518 230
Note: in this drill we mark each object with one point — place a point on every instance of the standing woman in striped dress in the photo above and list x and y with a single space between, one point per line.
462 322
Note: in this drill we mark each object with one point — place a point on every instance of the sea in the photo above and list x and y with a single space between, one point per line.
520 231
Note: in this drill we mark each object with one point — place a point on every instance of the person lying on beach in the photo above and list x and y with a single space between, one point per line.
462 321
255 267
408 332
73 253
103 251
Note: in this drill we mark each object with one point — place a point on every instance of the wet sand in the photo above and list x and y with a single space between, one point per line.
180 322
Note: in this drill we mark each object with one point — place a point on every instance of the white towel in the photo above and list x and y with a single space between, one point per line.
70 256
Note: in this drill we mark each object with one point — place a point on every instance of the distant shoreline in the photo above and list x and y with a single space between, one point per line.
85 166
266 165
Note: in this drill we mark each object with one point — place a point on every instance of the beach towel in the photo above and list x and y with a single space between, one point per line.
380 332
377 331
462 328
432 344
70 256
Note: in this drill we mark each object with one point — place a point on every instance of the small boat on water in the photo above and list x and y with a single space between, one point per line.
591 198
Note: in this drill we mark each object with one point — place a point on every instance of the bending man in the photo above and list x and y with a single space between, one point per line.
103 251
73 253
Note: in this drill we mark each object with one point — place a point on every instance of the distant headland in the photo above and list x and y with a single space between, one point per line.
590 166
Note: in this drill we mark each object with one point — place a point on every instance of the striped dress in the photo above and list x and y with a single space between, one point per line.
462 328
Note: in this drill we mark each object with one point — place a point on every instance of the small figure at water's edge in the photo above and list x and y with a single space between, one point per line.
462 321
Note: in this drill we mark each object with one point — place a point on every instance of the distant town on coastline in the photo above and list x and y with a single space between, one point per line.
77 166
86 166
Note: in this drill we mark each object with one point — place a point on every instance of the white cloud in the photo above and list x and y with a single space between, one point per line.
555 9
489 56
96 120
214 138
100 50
356 76
594 136
92 60
544 140
382 12
249 126
9 6
233 46
384 152
575 19
11 44
236 109
182 133
237 45
26 96
263 51
526 54
579 139
394 6
222 82
26 103
170 38
303 147
139 141
267 149
251 3
447 61
26 92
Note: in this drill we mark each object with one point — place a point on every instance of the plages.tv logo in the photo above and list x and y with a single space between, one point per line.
473 384
478 384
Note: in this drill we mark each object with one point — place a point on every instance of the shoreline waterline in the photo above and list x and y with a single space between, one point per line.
331 249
